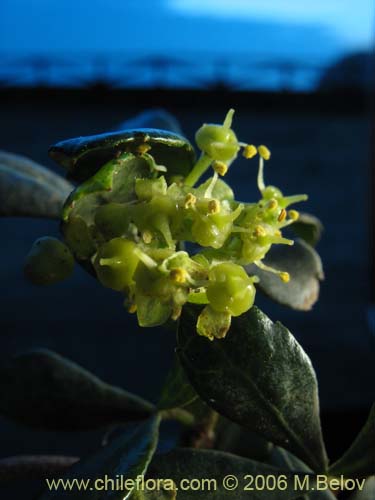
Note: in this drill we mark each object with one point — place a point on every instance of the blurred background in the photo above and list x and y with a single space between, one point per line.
300 75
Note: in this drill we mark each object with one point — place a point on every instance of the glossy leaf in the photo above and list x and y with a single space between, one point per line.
29 190
127 456
303 264
177 391
214 466
260 377
84 156
44 390
308 227
359 460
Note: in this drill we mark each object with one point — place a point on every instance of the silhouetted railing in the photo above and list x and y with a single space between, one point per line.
190 71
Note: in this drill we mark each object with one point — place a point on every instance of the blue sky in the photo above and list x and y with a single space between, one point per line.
242 32
158 25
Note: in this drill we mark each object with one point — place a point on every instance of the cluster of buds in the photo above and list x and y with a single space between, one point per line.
141 253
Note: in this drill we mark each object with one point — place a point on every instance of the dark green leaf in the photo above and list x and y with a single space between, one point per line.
45 390
305 268
177 390
359 460
235 439
84 156
213 466
308 227
30 190
260 377
126 457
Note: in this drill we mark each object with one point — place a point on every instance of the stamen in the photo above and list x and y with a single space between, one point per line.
147 236
179 275
264 152
220 167
272 204
190 200
283 275
282 215
214 207
293 214
249 151
260 231
143 148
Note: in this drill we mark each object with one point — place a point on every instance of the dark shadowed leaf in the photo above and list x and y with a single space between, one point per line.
127 457
234 438
23 467
213 467
368 492
305 268
44 390
29 190
308 227
359 460
28 167
283 459
260 377
177 390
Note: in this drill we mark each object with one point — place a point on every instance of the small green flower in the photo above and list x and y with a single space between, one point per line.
133 244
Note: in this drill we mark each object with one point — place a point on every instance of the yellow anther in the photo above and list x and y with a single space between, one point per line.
178 275
220 167
132 308
143 148
249 151
293 214
277 233
147 236
264 152
282 215
285 277
213 207
259 231
190 200
272 204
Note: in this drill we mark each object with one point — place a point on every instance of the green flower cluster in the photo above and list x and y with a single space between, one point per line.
141 242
